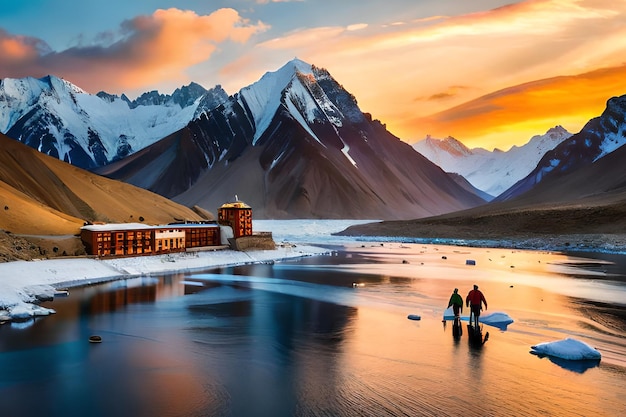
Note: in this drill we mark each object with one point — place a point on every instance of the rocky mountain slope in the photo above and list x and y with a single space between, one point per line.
59 119
598 139
294 144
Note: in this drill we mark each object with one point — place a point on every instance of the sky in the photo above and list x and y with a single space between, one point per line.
491 73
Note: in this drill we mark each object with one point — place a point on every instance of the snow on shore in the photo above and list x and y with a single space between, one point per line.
22 283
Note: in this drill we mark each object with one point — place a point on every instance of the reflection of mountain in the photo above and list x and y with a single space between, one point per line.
294 144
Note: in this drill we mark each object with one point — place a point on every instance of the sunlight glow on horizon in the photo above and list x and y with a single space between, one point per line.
491 78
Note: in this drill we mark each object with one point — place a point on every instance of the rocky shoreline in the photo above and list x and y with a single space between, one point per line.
562 243
593 229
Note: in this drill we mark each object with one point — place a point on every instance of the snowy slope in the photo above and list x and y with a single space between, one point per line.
597 142
297 86
59 119
295 145
308 94
492 172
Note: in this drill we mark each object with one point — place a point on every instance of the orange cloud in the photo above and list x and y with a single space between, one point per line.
401 73
148 50
14 49
501 119
19 51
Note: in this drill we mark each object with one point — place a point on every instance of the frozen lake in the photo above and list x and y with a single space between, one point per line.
327 336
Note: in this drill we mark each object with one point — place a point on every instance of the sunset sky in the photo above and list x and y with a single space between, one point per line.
491 73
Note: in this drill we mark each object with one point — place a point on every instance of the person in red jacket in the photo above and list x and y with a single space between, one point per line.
474 300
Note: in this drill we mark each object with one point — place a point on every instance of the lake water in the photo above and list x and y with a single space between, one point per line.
327 336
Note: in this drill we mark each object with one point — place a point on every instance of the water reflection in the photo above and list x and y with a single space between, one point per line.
579 366
121 294
298 338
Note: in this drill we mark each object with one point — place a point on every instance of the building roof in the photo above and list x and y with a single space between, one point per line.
192 225
235 204
116 226
111 227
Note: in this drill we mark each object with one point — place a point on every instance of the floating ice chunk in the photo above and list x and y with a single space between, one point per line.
570 349
42 311
497 319
448 314
26 311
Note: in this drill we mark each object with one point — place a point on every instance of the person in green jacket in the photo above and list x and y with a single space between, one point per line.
456 301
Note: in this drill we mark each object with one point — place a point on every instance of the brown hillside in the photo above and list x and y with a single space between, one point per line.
57 198
20 213
42 196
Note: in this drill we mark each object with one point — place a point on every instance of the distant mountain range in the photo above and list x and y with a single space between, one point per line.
61 120
490 171
587 165
576 191
296 145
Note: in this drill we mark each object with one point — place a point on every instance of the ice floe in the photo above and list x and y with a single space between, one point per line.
570 349
497 319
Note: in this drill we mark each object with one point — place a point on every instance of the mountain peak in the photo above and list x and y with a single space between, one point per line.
558 130
308 93
263 97
298 65
551 138
449 145
56 83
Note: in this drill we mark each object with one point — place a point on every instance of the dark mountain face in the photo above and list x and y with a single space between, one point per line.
598 138
183 96
36 129
598 184
295 144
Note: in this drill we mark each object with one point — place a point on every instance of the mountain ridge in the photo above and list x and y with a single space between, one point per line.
599 137
555 206
61 120
309 116
492 172
310 152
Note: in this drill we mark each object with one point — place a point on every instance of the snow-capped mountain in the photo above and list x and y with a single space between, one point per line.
492 172
599 138
59 119
294 144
